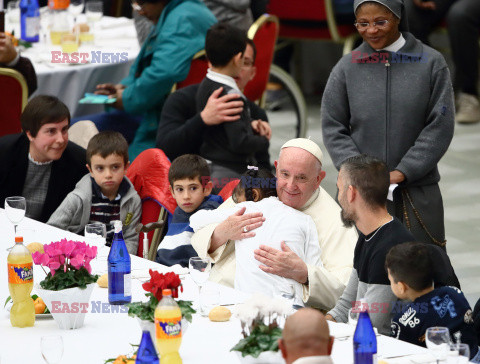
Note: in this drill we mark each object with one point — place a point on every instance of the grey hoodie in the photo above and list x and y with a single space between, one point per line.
74 212
401 112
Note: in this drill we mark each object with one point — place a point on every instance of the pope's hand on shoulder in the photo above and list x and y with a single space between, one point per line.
262 128
222 109
284 263
236 227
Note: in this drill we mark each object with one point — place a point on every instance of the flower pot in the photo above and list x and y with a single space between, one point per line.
266 357
68 306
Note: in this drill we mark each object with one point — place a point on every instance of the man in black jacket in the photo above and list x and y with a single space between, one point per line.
181 127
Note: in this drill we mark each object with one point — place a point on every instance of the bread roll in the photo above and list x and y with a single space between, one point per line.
82 28
35 247
103 281
219 314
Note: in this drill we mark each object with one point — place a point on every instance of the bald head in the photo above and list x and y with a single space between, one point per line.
306 333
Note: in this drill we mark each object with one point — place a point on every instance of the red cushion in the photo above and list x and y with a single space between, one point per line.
198 71
10 105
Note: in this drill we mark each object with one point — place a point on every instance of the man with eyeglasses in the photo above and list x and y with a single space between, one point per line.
179 32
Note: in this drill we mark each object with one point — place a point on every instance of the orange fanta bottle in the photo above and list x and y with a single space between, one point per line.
20 284
168 329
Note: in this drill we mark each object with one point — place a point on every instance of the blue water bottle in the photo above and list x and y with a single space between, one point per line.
364 341
119 269
30 20
146 353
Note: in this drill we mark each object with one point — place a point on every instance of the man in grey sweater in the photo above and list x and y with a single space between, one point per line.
362 193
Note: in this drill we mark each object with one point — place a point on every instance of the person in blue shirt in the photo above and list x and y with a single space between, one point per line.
164 59
410 270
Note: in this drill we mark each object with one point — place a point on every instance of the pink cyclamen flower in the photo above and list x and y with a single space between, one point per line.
77 261
67 247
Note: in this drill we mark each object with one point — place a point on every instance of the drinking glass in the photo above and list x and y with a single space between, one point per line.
97 232
13 12
15 208
352 316
438 342
199 269
461 352
52 348
94 11
75 9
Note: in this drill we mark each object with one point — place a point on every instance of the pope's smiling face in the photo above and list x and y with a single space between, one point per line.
298 176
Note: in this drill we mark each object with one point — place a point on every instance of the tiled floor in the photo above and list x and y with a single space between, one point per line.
460 185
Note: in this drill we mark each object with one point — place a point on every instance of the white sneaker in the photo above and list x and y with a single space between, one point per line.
468 110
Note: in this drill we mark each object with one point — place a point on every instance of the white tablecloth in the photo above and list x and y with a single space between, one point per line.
106 335
70 82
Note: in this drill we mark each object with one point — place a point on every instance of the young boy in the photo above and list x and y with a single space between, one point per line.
187 176
410 270
230 146
105 194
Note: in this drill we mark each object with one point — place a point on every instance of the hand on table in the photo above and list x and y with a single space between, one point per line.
284 263
223 109
7 50
262 127
108 88
396 177
233 228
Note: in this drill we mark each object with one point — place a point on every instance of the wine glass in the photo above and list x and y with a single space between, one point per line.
15 208
199 269
288 292
438 342
52 348
94 11
75 9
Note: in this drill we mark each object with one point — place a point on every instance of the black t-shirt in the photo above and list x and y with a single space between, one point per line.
371 251
444 306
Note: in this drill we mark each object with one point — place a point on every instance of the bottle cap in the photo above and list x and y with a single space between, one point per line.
117 226
18 239
167 292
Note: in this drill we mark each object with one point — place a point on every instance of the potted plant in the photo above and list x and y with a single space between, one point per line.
262 319
67 287
145 311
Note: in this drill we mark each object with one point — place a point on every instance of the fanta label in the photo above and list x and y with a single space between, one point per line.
20 273
58 4
170 328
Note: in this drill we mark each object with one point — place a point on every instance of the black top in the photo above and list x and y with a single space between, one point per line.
233 144
446 307
66 171
181 127
369 256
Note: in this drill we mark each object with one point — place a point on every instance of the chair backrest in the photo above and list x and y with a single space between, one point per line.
309 19
198 71
227 190
13 98
264 33
149 176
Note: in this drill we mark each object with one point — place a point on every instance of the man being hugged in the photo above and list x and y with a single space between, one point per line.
105 194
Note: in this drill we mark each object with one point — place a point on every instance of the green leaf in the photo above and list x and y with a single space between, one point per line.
34 297
262 338
7 300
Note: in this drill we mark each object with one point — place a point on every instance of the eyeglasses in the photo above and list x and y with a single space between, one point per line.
380 24
136 6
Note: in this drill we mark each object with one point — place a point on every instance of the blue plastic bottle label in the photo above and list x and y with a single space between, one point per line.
32 26
127 284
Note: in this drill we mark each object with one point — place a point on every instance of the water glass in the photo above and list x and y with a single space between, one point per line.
209 298
13 12
94 11
52 348
438 342
97 233
352 316
461 352
287 291
75 9
199 269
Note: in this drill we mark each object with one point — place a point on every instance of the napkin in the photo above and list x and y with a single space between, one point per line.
110 23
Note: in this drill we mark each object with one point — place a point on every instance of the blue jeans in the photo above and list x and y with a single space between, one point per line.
117 120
